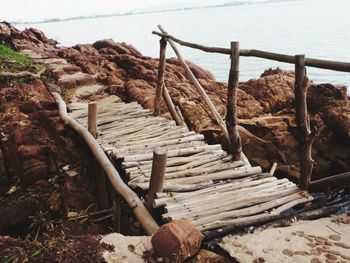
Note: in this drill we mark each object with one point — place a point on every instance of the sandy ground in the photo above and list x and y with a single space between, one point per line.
126 248
322 240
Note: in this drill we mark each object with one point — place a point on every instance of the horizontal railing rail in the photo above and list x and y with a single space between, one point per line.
310 62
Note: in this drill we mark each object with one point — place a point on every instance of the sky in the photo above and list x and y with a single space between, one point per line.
36 10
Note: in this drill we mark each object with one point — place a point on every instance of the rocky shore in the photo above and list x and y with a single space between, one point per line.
35 144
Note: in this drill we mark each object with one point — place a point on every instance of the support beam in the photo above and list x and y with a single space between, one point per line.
161 70
332 181
92 118
199 88
231 116
171 107
305 135
157 175
130 197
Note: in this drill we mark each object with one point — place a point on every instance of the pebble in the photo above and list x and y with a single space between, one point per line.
345 257
315 260
315 252
335 237
309 238
311 244
334 252
343 245
301 253
330 256
288 252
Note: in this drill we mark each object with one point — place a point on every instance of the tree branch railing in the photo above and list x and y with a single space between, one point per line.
306 133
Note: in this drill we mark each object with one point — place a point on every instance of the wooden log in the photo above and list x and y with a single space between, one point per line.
92 118
260 188
157 175
226 205
171 107
179 152
231 116
199 88
170 198
332 181
305 136
252 219
310 62
160 82
252 210
131 198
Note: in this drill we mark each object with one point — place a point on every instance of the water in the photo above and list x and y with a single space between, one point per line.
316 28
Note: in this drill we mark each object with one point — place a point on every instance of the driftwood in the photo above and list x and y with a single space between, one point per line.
332 181
231 117
305 136
311 62
140 211
199 88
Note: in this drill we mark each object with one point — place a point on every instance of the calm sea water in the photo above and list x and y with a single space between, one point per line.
316 28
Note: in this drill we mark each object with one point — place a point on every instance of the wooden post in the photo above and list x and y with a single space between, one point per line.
199 88
305 135
161 70
157 175
92 118
231 116
171 107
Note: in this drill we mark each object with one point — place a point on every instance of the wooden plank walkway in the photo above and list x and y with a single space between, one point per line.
202 184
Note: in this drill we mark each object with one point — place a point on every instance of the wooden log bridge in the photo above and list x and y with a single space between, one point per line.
201 182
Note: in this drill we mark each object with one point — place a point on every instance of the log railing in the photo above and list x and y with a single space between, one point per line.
306 133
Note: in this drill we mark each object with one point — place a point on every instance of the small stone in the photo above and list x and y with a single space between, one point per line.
301 253
288 239
261 260
236 244
334 252
315 260
300 233
343 245
315 252
330 256
335 237
329 243
311 244
345 257
288 252
321 249
309 238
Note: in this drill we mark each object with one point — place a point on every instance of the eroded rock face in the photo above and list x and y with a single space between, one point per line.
30 131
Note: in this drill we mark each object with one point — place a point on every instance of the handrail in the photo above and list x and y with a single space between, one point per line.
140 211
311 62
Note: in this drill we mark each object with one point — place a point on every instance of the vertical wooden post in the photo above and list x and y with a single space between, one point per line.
231 116
161 70
305 135
157 175
92 118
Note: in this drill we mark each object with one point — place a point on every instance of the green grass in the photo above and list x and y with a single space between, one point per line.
7 53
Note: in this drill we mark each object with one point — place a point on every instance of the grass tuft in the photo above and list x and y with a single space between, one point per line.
7 53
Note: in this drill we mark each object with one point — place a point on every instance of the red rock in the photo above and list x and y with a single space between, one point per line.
177 241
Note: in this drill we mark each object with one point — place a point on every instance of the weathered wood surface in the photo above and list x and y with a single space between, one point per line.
201 182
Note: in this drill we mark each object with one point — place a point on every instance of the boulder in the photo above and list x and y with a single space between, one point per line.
176 241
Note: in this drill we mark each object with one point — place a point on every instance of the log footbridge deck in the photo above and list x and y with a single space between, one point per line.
184 176
201 182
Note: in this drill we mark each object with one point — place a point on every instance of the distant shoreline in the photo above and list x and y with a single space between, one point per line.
130 13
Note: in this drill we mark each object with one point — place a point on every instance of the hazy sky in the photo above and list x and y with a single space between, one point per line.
29 10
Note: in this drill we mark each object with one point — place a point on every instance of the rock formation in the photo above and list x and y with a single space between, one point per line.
265 105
